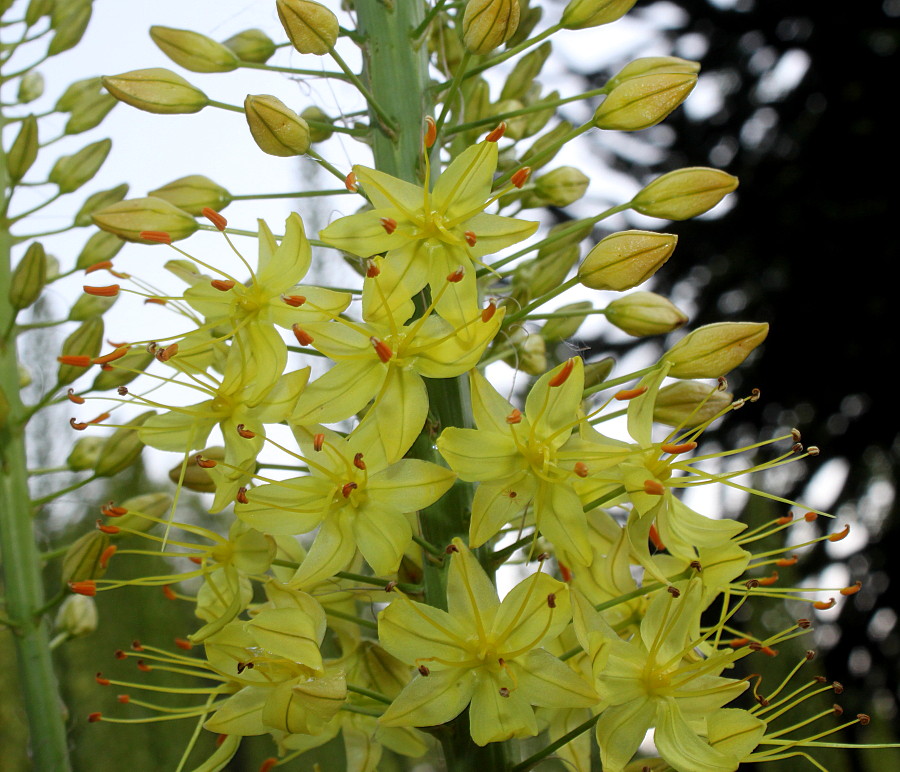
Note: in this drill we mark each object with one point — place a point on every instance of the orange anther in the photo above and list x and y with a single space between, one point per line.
206 463
348 488
75 360
515 417
268 764
654 537
627 394
389 224
358 461
318 441
109 291
372 269
136 645
143 666
182 643
169 592
456 276
160 237
565 572
100 418
684 447
247 434
73 397
852 589
350 182
111 357
769 652
581 469
430 131
842 534
110 529
737 643
78 426
302 336
214 217
123 698
497 133
158 301
784 562
768 581
822 605
119 654
810 517
111 510
521 176
165 354
241 496
382 349
223 285
294 301
785 520
93 718
563 375
654 488
101 680
107 554
196 559
86 587
471 238
488 312
103 264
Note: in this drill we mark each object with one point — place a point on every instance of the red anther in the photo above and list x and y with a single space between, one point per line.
119 654
863 718
515 417
169 592
795 435
109 291
430 131
111 510
86 587
302 336
684 447
852 589
451 548
673 591
488 312
165 354
737 643
796 448
521 176
471 238
503 691
382 349
205 463
769 652
822 605
511 494
268 764
456 276
350 182
784 562
101 680
160 237
768 581
241 497
751 584
581 469
423 671
245 433
836 685
223 285
654 488
93 718
551 600
755 646
103 264
837 710
196 559
78 426
74 360
842 534
73 397
348 488
626 394
110 529
123 698
497 133
294 301
107 554
813 450
810 517
804 624
563 375
158 301
214 217
99 419
220 739
318 441
111 357
389 224
390 586
565 572
654 537
183 643
358 461
372 269
143 666
136 645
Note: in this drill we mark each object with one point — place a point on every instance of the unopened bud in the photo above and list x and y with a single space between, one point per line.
82 559
277 129
194 193
90 306
318 133
24 149
529 352
86 340
251 45
29 277
689 403
129 218
68 21
642 102
71 171
77 616
156 90
581 14
560 187
715 349
122 448
90 110
31 87
310 26
560 328
84 454
152 504
625 260
100 247
194 51
652 65
645 313
196 477
520 81
684 193
123 370
97 201
489 23
596 373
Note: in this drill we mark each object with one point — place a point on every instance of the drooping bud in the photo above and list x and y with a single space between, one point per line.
196 477
31 87
489 23
71 171
29 277
626 259
251 45
689 403
129 218
156 90
97 201
193 51
276 129
193 193
641 102
100 247
684 193
77 616
560 187
86 340
311 27
645 313
321 130
24 149
715 349
82 559
122 448
596 373
561 328
581 14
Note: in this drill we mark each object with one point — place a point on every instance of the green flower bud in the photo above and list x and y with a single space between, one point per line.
317 116
86 340
71 171
528 20
581 14
84 453
77 616
515 127
714 350
562 129
489 23
99 200
78 92
193 51
529 352
520 80
156 90
99 247
152 504
311 27
196 478
52 268
561 328
129 218
596 373
684 193
24 149
29 277
24 373
561 187
122 448
89 306
31 87
652 65
645 313
193 193
625 260
689 403
68 20
82 560
120 372
36 10
642 102
251 45
537 277
90 112
276 128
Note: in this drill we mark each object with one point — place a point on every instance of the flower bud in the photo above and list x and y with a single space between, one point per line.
88 104
123 370
560 328
99 247
251 45
276 128
689 403
24 149
84 453
645 313
82 560
89 306
151 504
529 352
86 340
122 448
129 218
642 102
311 27
36 10
581 14
193 51
31 87
68 20
652 65
316 115
625 260
561 187
29 277
684 193
596 373
715 349
71 171
156 90
196 478
77 616
545 141
97 201
193 194
521 79
489 23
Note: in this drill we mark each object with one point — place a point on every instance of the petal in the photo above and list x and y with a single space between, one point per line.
408 485
526 619
241 714
417 632
289 507
553 410
640 409
471 597
495 232
560 517
621 730
290 633
280 401
332 551
494 718
465 185
342 391
387 297
671 623
496 504
382 537
289 262
489 409
431 700
387 192
546 681
363 234
321 305
477 455
682 748
400 410
182 431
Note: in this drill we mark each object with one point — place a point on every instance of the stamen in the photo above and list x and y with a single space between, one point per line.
348 488
223 285
488 313
563 375
98 266
655 538
318 441
93 718
245 433
86 587
78 426
184 644
350 182
471 238
358 461
430 131
503 691
241 497
810 517
852 589
75 360
654 488
822 605
160 237
111 357
784 562
389 224
842 534
165 354
424 671
101 680
684 447
521 176
107 554
515 417
294 301
457 275
268 764
214 217
626 394
205 463
497 133
372 269
303 337
110 529
581 469
382 349
73 397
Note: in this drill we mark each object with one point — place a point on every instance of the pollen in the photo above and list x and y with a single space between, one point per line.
382 349
160 237
563 375
627 394
389 224
521 176
214 217
223 285
581 469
